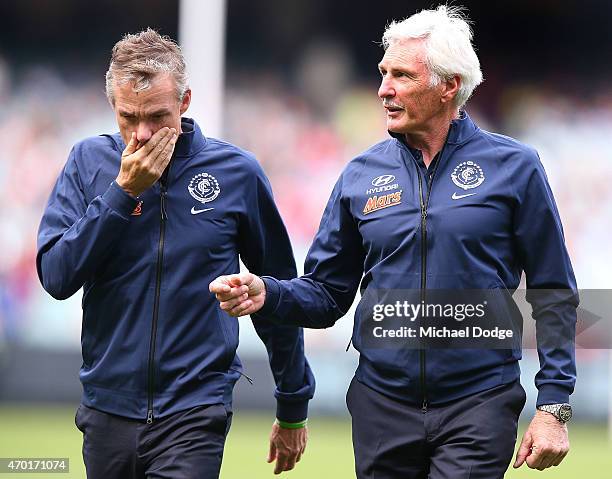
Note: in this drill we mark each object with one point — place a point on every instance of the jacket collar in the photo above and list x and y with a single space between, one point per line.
191 141
461 130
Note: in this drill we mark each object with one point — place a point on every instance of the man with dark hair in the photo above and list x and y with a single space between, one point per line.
143 220
440 206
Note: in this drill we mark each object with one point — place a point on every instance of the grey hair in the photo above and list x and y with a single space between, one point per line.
448 46
139 57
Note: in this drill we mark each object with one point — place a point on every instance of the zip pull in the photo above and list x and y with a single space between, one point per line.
164 213
424 406
243 375
150 416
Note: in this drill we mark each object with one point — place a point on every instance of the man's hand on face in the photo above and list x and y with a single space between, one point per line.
143 166
544 444
286 447
239 294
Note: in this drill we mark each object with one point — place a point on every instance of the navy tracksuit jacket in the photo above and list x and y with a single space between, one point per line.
477 219
154 339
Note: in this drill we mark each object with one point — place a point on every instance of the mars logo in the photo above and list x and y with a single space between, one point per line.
376 203
382 180
204 187
468 175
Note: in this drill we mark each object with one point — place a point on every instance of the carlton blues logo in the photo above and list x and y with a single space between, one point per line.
468 175
204 187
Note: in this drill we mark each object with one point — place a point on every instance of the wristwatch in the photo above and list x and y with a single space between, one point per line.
563 412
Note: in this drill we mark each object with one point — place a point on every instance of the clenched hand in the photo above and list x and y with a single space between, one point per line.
239 294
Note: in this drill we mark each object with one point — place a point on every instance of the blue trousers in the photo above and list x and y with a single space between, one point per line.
185 445
470 438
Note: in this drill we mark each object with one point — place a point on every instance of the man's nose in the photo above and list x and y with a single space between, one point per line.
144 132
386 89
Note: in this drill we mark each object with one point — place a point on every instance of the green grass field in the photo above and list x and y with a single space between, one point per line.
49 432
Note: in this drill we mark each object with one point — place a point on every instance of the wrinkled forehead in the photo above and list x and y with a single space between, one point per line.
158 89
405 51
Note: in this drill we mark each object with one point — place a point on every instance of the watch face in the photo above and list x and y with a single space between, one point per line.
565 412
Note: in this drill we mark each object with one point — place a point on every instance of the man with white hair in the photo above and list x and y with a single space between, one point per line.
442 205
143 220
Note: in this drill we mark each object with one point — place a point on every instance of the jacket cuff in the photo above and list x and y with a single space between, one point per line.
291 411
119 200
552 394
272 297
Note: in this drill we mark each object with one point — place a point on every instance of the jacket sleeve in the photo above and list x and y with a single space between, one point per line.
265 249
74 237
333 270
551 285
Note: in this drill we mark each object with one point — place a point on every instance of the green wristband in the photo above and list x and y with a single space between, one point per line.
292 425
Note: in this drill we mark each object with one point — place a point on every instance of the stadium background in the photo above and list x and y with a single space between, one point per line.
300 92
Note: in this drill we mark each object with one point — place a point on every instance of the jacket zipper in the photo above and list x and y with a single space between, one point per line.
422 357
158 277
424 203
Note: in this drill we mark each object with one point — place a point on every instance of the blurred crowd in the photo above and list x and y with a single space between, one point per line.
41 116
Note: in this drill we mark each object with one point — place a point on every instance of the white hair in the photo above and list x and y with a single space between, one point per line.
448 46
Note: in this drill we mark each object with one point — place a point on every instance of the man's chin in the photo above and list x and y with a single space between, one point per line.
393 127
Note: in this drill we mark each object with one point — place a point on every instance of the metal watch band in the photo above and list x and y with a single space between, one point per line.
562 412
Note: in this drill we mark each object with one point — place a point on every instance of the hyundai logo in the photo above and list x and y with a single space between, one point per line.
382 180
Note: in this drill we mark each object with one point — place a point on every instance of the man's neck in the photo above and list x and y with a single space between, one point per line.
431 141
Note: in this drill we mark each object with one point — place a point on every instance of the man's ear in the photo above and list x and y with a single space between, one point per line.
450 87
186 101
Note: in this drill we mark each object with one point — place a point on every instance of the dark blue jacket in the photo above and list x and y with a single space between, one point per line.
476 219
154 339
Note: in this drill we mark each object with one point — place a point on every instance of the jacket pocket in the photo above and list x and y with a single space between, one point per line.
229 329
505 314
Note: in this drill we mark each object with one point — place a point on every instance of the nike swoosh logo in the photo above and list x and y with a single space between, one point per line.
195 212
458 197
